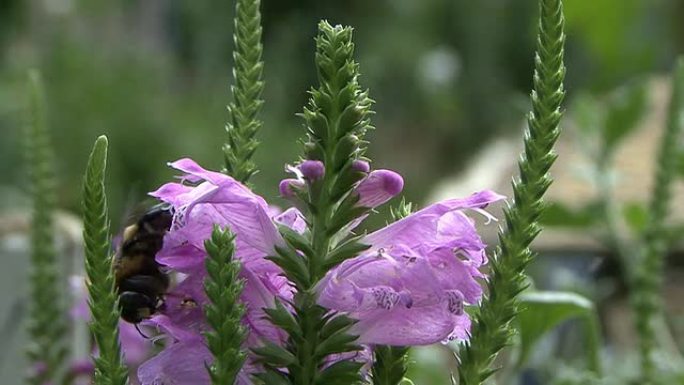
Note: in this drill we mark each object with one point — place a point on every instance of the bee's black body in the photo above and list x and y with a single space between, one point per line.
140 281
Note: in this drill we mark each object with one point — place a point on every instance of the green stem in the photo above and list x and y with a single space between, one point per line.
247 73
647 283
491 329
102 295
47 328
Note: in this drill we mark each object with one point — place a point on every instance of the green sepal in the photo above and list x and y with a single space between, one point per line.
349 249
389 365
340 373
272 376
283 318
297 241
293 264
343 218
274 354
337 342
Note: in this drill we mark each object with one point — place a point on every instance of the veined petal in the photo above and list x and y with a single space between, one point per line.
181 363
423 227
403 326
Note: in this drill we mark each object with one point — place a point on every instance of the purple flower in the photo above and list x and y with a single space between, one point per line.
411 286
214 199
379 187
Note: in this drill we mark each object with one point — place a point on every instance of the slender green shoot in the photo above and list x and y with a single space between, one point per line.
492 329
47 327
247 73
102 295
224 312
648 281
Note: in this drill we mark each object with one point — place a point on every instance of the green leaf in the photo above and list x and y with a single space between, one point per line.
542 311
624 110
559 215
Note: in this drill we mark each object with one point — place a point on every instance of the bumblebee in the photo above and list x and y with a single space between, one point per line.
140 280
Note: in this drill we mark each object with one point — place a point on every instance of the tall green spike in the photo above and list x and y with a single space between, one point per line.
648 281
491 329
247 73
102 296
47 326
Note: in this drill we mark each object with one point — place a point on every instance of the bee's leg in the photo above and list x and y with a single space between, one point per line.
151 286
136 307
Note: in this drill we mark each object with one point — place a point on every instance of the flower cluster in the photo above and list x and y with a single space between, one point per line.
408 288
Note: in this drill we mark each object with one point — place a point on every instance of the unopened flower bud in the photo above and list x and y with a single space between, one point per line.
312 169
288 187
361 166
379 187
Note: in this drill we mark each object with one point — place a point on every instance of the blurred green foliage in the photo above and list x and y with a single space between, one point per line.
154 77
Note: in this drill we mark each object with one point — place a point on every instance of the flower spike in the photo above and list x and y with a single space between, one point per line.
647 281
492 329
102 296
46 328
247 73
224 313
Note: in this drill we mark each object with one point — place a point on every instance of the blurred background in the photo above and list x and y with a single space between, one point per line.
451 80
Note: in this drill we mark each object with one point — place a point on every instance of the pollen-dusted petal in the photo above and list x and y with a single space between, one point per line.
379 187
312 169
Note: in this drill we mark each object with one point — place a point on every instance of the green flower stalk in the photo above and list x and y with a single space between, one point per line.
102 295
224 313
47 327
648 281
492 329
336 119
247 72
